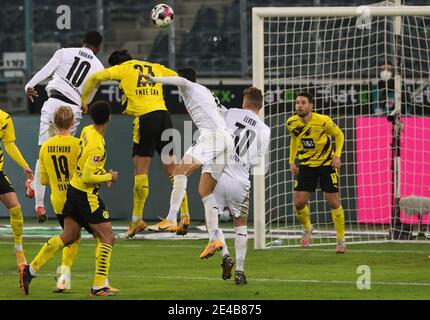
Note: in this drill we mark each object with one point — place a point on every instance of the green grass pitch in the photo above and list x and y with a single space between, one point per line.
172 270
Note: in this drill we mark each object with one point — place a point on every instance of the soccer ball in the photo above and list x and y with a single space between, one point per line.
162 15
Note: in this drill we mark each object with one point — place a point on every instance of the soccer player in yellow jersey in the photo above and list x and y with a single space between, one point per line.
57 158
145 102
57 161
318 163
7 192
84 207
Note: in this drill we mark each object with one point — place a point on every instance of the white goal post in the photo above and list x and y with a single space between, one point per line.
338 52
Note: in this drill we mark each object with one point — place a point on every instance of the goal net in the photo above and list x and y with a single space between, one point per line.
368 69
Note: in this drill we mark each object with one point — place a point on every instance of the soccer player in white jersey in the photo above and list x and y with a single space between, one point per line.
252 138
211 152
70 68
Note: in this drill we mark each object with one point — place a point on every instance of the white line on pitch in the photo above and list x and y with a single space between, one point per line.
119 244
128 276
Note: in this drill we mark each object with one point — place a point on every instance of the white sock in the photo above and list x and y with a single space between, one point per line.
39 189
32 271
98 287
211 215
178 193
18 247
134 218
222 238
241 246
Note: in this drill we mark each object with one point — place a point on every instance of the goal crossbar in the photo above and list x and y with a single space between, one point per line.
374 11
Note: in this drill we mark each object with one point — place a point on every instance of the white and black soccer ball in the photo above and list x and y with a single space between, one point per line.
162 15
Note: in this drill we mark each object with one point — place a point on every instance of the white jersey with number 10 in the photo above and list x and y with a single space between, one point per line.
70 68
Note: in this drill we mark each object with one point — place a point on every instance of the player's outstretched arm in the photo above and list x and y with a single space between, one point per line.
92 83
43 74
13 151
173 81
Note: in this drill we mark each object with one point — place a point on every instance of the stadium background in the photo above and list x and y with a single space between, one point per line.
212 36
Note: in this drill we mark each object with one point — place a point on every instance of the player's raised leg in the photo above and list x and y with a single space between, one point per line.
50 248
184 169
47 129
185 220
39 195
206 187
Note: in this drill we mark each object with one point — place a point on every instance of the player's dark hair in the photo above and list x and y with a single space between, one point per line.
118 57
254 96
306 95
93 38
100 112
187 73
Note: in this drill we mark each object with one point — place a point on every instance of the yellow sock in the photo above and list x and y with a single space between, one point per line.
184 204
141 191
303 216
103 254
339 222
69 256
17 221
47 252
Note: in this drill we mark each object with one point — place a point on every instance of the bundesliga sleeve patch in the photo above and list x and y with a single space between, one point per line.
96 159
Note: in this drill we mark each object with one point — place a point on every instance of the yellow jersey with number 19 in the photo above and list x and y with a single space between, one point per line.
57 158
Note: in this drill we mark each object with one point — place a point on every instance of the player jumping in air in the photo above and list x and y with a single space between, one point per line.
210 152
70 68
146 103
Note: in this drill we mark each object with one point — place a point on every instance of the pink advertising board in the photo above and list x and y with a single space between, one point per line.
373 156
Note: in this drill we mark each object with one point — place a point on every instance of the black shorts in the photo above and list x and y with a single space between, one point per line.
60 218
309 177
147 131
80 208
5 184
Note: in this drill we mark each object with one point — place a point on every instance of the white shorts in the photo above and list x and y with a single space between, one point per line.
213 150
232 194
47 127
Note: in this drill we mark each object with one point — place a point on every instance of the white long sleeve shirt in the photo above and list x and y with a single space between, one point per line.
202 106
70 68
